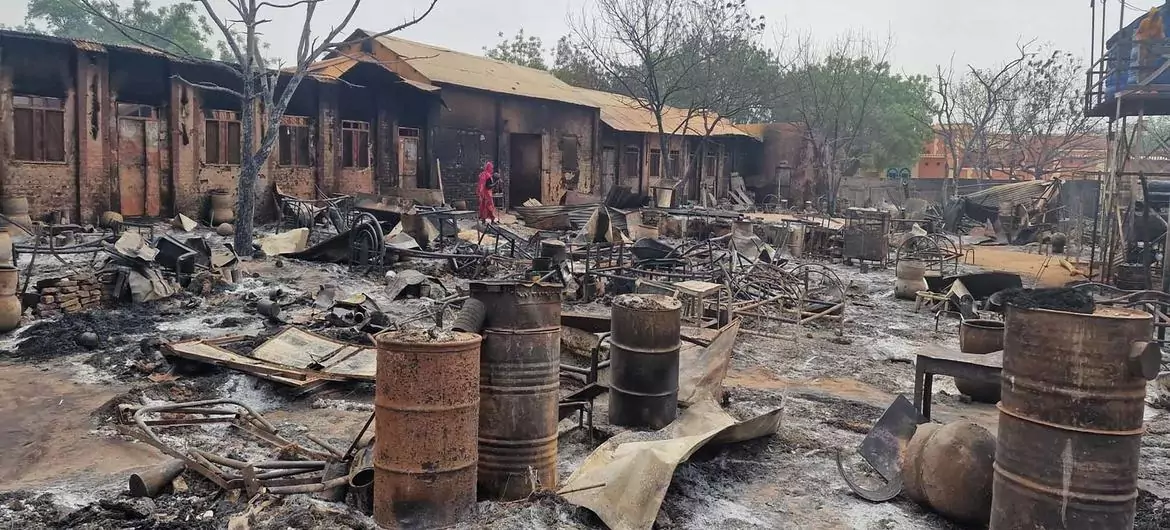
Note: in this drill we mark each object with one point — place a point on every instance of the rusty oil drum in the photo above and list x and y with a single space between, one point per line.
644 346
427 416
519 388
1070 422
980 337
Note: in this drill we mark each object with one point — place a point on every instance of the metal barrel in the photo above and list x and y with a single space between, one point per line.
519 388
426 418
644 346
980 337
1070 420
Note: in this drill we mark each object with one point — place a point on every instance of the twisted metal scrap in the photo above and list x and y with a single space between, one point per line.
276 475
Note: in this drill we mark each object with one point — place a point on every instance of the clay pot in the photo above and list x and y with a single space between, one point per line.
14 206
911 462
16 209
225 229
459 204
222 210
110 219
910 278
6 255
980 337
9 280
956 471
10 312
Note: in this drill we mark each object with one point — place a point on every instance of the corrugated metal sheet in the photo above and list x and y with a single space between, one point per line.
624 114
445 66
91 45
334 68
1015 193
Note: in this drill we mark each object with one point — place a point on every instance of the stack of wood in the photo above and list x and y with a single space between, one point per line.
83 291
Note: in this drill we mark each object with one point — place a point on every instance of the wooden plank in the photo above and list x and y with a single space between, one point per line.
211 354
302 349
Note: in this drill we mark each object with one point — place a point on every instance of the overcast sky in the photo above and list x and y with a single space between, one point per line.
926 32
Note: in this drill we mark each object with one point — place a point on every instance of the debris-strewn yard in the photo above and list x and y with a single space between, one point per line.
69 449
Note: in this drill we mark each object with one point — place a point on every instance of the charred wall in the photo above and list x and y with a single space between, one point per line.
476 127
85 129
40 158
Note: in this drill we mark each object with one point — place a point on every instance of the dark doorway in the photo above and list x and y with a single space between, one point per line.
525 177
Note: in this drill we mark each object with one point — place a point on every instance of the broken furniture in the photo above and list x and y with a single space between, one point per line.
865 236
294 213
275 476
447 220
293 357
936 251
937 360
693 295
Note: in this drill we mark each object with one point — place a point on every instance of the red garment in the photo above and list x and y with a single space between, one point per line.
487 206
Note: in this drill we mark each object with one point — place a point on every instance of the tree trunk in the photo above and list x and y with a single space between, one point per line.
249 176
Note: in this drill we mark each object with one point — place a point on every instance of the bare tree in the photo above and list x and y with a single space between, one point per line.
695 60
833 91
969 111
1046 123
647 47
737 79
264 88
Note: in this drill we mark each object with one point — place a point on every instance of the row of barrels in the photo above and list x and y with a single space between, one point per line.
468 415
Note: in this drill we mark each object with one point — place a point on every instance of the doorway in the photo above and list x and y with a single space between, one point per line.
526 171
139 161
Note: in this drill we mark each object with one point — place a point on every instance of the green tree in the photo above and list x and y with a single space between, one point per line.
521 49
575 66
177 28
898 129
854 111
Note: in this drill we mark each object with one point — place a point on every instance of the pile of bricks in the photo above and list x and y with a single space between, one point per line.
75 293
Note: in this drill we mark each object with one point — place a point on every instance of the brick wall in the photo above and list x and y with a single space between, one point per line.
84 291
87 183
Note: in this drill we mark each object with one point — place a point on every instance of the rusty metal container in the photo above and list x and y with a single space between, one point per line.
519 388
426 419
644 346
980 337
1070 422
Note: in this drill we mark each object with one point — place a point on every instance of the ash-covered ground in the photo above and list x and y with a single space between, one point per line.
66 463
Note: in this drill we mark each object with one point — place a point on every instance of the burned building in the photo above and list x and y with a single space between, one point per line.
87 127
702 152
537 129
785 164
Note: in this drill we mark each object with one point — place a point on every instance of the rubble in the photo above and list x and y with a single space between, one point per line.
792 342
76 293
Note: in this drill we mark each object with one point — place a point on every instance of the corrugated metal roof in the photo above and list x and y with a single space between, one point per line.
90 45
623 113
336 67
450 67
1014 193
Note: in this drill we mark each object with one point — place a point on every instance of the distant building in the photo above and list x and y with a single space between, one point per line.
1087 157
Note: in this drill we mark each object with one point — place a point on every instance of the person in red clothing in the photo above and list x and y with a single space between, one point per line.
487 207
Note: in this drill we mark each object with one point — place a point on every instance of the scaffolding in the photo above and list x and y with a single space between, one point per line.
1128 82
